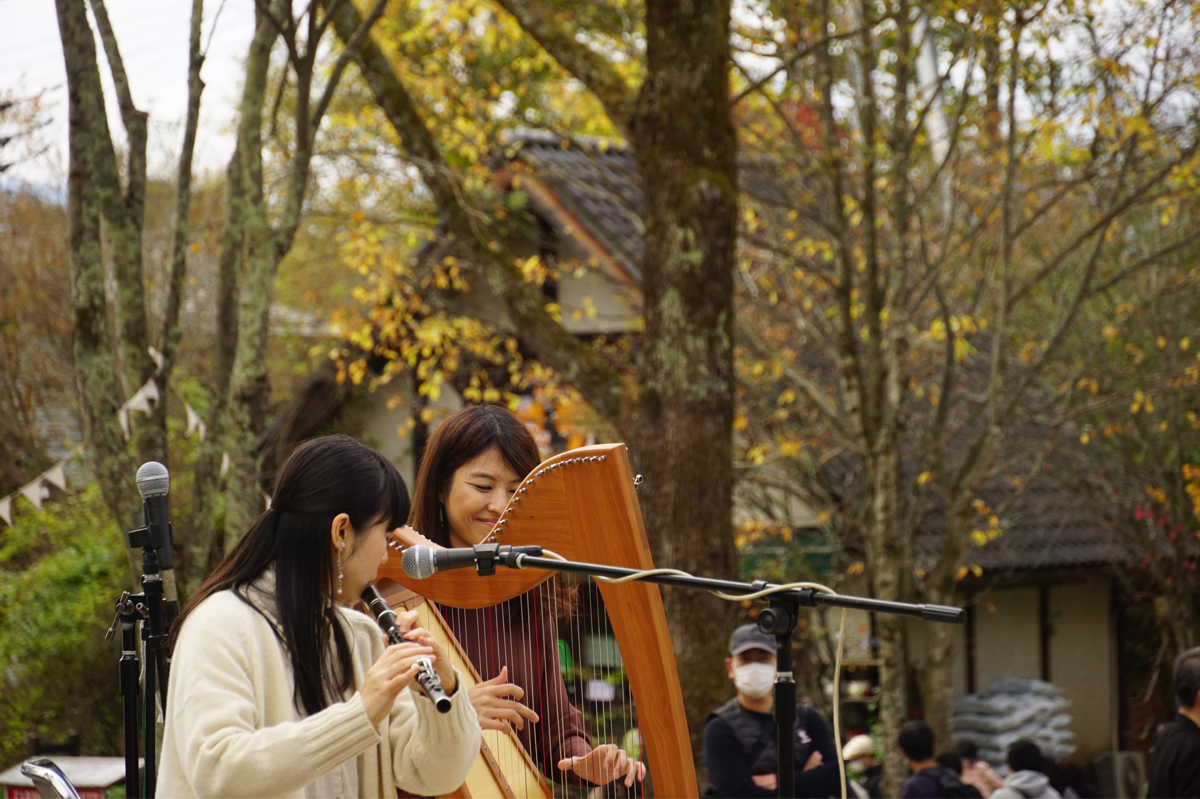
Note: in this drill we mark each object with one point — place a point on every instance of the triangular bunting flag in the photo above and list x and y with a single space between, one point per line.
157 357
150 391
224 463
194 422
123 418
33 492
6 510
55 476
139 401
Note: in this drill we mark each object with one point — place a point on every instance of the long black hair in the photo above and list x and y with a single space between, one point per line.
320 479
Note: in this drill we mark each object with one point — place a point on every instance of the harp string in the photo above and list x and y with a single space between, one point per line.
524 635
599 674
516 655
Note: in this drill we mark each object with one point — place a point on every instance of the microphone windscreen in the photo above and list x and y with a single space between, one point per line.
417 562
153 478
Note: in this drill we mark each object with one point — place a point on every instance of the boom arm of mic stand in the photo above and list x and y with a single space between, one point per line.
805 597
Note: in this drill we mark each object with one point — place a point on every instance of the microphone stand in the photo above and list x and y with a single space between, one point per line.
146 609
778 620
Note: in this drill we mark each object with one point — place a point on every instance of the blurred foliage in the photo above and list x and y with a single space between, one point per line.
62 569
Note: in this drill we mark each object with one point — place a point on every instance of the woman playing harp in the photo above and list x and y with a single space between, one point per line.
474 461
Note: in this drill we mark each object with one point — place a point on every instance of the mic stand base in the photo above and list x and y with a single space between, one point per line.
131 609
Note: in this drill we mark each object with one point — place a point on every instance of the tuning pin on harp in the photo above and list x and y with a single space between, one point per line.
637 482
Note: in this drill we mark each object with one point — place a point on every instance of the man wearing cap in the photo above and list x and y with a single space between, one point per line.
859 755
740 749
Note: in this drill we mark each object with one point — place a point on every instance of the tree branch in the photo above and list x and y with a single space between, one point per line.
169 337
579 366
1100 224
823 404
589 67
791 60
285 32
343 58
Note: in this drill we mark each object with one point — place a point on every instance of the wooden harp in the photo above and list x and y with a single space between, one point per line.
581 504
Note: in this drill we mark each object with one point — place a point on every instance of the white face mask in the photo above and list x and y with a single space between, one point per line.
754 679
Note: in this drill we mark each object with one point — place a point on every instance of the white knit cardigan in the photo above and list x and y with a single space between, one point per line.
232 727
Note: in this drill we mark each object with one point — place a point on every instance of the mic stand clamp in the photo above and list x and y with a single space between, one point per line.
488 556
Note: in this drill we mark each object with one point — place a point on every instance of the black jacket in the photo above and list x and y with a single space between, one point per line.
739 743
1175 764
937 782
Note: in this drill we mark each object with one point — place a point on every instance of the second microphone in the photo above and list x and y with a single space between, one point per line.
427 678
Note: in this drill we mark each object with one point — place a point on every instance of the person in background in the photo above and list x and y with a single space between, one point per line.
976 772
865 771
1175 761
950 761
929 779
740 749
1071 780
1027 779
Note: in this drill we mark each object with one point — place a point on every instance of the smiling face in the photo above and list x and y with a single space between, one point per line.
477 495
362 555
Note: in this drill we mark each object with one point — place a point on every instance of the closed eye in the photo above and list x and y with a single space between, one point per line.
479 488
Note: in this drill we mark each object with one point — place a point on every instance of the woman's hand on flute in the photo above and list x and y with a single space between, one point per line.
409 624
390 675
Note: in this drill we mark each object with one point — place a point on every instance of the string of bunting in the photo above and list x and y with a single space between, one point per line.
143 400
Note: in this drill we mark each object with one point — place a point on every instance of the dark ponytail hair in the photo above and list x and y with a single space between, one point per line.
322 478
466 435
462 437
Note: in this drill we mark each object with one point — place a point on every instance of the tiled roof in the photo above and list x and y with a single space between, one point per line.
596 182
1050 526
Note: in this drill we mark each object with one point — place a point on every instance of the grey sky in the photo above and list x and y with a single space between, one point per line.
153 36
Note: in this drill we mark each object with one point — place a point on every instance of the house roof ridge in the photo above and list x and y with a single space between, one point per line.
602 145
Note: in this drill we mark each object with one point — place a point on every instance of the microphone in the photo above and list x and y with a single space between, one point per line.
427 678
420 562
154 483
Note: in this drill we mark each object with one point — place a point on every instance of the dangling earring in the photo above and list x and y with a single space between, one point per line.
339 584
442 515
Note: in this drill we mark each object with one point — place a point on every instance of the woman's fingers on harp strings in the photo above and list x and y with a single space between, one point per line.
494 711
604 764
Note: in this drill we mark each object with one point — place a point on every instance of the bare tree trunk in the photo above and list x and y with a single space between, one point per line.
681 432
168 337
249 387
123 214
266 244
889 556
937 674
208 540
100 392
